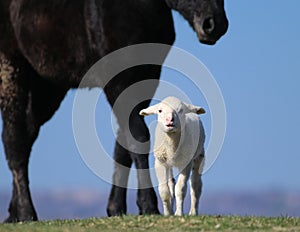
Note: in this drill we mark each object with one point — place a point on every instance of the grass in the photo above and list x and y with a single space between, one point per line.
160 223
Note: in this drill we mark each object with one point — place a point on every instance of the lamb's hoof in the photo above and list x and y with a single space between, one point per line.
177 213
168 213
193 213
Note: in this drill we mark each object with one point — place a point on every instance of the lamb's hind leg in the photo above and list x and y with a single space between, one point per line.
196 184
171 185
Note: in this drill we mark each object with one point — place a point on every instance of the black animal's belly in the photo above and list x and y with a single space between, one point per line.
53 38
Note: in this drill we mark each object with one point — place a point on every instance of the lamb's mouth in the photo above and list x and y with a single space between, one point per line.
170 126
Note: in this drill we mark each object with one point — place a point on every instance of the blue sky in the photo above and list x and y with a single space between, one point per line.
256 65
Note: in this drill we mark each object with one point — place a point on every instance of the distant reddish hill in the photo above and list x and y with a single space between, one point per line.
85 203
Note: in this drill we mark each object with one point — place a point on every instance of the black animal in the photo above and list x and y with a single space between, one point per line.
46 46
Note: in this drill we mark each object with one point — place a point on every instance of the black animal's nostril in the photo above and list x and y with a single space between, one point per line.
208 25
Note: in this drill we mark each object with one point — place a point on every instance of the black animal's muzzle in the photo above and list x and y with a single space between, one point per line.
210 28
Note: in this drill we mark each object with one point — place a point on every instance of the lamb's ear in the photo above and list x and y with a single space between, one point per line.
195 109
149 110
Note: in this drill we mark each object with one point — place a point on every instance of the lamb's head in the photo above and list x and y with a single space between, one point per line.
171 113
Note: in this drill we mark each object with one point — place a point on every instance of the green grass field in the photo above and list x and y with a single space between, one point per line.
160 223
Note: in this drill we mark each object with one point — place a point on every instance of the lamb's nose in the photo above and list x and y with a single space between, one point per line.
169 119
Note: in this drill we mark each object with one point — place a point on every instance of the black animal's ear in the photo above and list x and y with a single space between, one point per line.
149 110
195 109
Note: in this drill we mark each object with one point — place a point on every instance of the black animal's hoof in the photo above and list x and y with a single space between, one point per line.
115 210
149 210
10 220
147 202
14 219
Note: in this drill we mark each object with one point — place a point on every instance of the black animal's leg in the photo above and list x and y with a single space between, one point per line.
133 136
17 140
26 103
147 200
117 199
146 197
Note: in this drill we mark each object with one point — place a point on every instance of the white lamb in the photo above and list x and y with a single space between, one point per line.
179 142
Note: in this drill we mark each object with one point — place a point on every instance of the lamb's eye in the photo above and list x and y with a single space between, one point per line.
159 111
180 111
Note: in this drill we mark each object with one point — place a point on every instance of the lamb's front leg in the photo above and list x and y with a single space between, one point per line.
180 189
165 194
